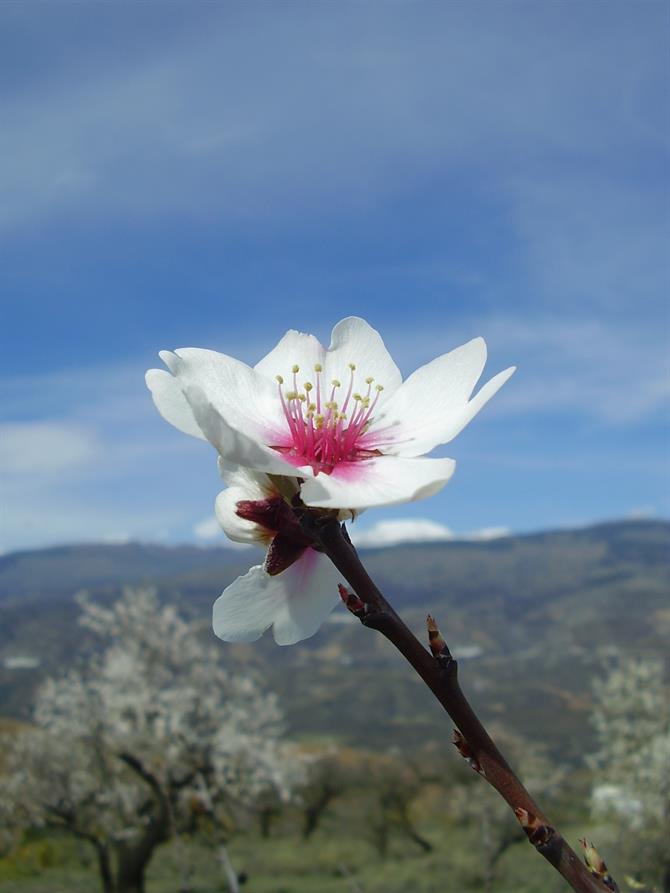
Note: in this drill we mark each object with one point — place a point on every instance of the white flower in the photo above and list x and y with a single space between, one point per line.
296 587
341 418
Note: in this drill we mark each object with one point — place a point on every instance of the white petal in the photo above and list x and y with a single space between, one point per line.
295 602
171 402
387 480
255 484
246 400
432 406
237 529
355 341
295 348
232 444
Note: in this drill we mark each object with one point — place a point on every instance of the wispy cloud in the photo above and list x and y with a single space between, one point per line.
45 448
203 101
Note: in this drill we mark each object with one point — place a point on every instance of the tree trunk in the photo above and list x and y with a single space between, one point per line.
133 858
314 812
104 867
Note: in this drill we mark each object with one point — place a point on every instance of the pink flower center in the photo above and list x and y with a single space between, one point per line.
324 427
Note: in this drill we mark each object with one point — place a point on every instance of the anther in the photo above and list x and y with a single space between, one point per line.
379 387
336 384
369 380
318 367
352 366
295 368
308 386
279 378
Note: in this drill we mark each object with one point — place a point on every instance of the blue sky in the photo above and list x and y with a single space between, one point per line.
212 174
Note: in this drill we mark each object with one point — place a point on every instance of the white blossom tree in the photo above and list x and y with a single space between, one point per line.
152 736
632 764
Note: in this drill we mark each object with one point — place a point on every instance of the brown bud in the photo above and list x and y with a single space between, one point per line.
465 751
536 831
438 646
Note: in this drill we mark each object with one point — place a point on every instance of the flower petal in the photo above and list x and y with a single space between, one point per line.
295 348
237 529
432 406
295 602
232 444
353 340
245 399
170 401
386 480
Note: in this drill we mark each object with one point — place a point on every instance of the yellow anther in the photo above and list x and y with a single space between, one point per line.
279 378
318 419
341 416
301 397
369 380
295 368
311 408
379 387
335 383
352 366
331 405
357 397
365 402
318 367
292 395
308 386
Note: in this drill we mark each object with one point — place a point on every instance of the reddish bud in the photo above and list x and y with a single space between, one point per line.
465 751
351 601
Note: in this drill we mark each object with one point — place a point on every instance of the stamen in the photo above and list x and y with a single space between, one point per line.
324 433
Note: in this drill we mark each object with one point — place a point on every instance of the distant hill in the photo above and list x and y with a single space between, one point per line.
63 569
533 616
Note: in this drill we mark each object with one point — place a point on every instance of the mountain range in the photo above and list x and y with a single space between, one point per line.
532 619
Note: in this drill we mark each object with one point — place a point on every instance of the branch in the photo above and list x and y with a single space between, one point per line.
440 673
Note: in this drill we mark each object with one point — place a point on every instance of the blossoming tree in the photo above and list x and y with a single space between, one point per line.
631 715
151 737
307 439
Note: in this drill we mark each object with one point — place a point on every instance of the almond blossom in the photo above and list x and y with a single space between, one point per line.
339 419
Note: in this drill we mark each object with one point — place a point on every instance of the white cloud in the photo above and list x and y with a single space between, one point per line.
485 534
45 447
208 529
642 513
400 530
417 530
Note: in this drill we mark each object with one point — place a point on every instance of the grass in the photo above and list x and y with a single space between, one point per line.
333 861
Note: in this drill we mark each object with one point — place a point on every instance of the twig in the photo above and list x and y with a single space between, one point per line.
440 673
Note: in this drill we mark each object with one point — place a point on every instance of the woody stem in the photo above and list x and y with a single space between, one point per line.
441 676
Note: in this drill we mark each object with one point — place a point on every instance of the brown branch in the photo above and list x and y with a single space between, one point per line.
440 673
